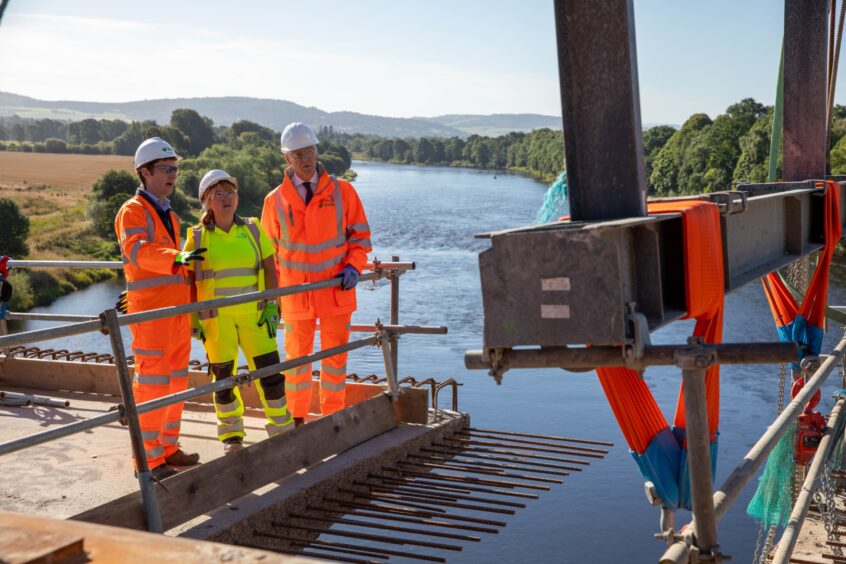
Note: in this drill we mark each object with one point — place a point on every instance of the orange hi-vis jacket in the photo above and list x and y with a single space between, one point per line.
314 243
148 253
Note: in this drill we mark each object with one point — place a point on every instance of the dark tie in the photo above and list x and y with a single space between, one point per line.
309 193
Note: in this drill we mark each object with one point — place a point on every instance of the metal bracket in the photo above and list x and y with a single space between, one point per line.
809 365
731 202
494 356
122 411
639 329
695 356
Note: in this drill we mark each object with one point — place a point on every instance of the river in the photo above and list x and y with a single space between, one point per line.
430 215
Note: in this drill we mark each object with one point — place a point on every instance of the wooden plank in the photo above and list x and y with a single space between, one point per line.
112 544
208 486
42 374
19 545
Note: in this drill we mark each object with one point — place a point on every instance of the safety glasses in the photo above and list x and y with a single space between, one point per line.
168 169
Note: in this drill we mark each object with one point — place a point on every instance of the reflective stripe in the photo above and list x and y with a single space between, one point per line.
227 407
152 380
147 352
335 371
169 439
312 267
304 369
333 387
297 387
227 292
358 227
134 231
150 435
179 373
273 430
223 427
280 403
362 242
123 259
154 282
157 452
255 242
133 252
315 247
201 274
230 272
280 216
172 425
207 314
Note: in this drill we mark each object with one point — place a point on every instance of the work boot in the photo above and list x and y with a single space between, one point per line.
161 472
232 445
299 421
182 458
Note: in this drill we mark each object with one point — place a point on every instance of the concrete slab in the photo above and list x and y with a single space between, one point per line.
70 475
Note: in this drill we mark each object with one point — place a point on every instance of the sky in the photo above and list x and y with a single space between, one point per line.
398 59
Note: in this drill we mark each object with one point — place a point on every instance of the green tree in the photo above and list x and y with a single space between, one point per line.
666 167
115 182
14 229
654 140
102 212
198 130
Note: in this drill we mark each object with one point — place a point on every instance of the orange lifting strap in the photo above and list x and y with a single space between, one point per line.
661 453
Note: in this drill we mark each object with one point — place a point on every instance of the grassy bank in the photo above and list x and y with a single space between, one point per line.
53 192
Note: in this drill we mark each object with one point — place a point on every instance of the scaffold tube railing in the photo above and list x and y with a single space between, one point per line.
225 383
28 337
728 491
803 501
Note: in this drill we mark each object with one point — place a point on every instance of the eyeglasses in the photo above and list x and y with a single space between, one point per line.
224 195
303 154
168 169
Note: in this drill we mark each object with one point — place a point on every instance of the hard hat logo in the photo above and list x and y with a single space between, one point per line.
297 136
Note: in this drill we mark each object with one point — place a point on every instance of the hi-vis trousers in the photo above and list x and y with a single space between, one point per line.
162 348
299 341
224 334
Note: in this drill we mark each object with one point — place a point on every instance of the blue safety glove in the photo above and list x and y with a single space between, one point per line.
121 304
197 328
184 257
270 317
349 277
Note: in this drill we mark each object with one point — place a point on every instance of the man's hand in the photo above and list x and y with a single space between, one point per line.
121 304
270 316
197 328
349 277
184 257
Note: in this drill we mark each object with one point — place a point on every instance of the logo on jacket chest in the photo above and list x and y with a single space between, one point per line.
327 203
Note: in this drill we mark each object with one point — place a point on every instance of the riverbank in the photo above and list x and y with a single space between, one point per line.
525 171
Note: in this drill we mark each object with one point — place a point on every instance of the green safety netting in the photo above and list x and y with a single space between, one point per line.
555 201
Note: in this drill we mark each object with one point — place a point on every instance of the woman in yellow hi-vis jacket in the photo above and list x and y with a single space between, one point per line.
239 259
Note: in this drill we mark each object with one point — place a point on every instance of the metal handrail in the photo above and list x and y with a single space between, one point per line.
225 383
165 312
729 490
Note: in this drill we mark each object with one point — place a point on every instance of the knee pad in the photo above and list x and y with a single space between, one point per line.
273 385
221 370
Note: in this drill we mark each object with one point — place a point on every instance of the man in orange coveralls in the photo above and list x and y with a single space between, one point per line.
148 232
320 231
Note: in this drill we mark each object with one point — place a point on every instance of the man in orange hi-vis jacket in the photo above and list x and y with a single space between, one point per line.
154 266
319 229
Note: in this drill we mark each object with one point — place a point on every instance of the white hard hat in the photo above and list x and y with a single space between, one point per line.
152 149
212 177
296 136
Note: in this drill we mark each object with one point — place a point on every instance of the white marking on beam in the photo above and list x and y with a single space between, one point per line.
555 311
561 284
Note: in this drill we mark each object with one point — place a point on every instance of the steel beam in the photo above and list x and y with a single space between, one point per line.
571 283
805 40
603 147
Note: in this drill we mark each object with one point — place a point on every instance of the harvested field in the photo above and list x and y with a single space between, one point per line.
37 171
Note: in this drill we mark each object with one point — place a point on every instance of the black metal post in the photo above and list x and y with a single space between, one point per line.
603 143
805 46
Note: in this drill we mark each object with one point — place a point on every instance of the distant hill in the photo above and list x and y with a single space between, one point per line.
276 114
497 124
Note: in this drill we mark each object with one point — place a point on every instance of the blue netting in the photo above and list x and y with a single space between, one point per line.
773 500
555 201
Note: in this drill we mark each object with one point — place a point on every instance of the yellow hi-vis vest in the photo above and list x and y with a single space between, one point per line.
206 275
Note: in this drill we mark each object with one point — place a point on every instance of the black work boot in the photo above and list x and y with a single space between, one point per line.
182 458
161 472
